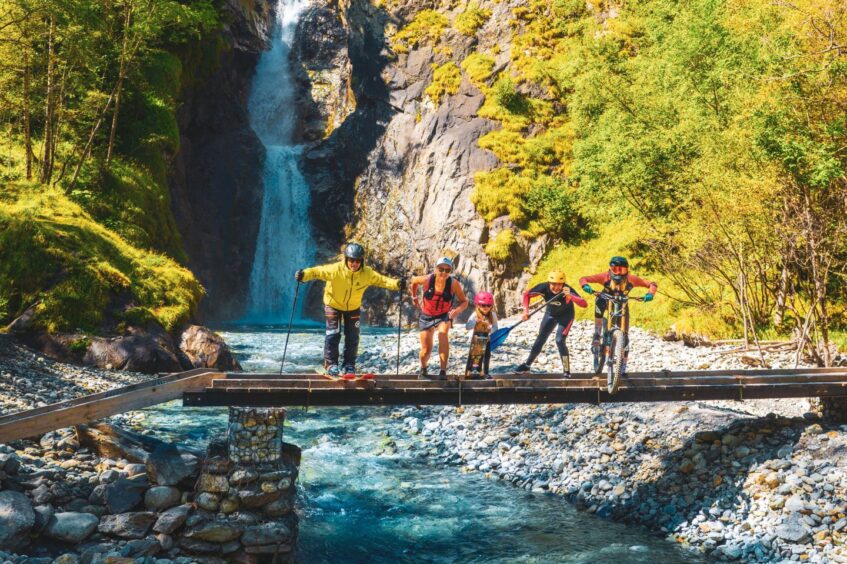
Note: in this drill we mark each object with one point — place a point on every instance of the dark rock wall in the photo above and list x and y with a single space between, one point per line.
216 182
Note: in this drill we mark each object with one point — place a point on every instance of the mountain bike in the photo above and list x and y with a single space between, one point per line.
610 351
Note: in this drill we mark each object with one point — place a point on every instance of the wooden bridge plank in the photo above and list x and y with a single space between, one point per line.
90 408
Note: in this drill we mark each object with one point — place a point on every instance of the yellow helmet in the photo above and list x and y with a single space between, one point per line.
556 277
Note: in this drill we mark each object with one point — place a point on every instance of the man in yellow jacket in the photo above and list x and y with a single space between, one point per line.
346 282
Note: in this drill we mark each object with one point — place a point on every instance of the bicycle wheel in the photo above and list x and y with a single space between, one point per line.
599 356
615 361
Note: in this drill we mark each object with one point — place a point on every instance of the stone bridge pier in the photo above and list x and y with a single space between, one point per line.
245 492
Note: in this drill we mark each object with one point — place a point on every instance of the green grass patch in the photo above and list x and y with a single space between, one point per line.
500 247
478 67
81 271
469 21
446 79
425 28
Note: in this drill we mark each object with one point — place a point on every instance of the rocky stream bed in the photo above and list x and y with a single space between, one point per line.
756 480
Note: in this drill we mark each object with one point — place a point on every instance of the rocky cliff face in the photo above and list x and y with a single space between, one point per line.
395 168
216 182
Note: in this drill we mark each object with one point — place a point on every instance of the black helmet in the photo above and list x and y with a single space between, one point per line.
354 251
618 268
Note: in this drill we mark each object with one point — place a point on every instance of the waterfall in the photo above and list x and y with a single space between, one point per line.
285 236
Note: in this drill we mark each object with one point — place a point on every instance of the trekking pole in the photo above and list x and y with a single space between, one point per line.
399 327
290 321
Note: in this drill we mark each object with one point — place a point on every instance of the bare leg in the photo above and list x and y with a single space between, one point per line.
426 346
443 344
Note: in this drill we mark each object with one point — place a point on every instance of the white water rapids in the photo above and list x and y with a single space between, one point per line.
285 238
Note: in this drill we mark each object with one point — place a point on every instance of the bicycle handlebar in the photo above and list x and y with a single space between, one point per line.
618 297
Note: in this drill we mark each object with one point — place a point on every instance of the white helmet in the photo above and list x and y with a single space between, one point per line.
444 260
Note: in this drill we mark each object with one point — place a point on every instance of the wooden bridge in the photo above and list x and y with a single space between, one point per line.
203 387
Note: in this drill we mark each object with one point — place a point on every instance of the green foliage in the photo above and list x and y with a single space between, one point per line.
55 252
469 21
445 80
500 248
425 28
478 67
507 97
85 229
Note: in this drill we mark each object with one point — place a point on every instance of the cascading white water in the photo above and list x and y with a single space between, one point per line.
285 237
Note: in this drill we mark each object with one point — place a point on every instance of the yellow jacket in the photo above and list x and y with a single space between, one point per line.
344 288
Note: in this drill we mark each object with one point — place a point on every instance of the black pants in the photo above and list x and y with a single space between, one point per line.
548 323
334 318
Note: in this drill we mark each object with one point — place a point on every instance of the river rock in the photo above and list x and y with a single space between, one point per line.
266 533
71 527
252 499
139 352
128 525
212 483
43 513
142 547
206 349
792 530
123 495
208 501
243 476
166 466
17 518
172 519
215 531
278 508
159 498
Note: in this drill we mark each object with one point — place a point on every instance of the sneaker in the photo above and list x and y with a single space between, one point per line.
349 369
475 374
442 374
522 368
423 374
333 370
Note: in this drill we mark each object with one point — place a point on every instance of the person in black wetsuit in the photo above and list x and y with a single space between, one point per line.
559 315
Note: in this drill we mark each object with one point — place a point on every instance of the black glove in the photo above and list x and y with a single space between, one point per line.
299 275
402 284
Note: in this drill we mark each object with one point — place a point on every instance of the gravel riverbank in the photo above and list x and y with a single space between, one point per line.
759 480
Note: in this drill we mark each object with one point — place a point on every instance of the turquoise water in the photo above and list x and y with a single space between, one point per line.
367 493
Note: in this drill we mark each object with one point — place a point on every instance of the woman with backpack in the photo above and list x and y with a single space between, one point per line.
440 291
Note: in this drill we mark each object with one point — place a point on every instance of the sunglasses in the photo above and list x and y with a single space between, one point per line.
354 260
445 269
620 270
484 307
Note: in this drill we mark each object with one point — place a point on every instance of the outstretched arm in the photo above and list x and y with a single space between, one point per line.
416 282
641 283
382 281
323 272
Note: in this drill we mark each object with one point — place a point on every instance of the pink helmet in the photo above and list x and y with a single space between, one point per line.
484 299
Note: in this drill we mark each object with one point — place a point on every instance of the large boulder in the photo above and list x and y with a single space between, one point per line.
128 525
206 349
123 494
138 351
172 519
71 527
16 520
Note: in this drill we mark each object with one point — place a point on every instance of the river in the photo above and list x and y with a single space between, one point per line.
368 494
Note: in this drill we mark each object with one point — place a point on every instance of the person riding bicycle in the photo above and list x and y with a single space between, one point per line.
346 282
559 314
615 280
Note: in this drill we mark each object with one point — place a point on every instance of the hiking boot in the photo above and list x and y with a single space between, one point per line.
349 369
522 368
442 374
333 370
566 366
423 374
